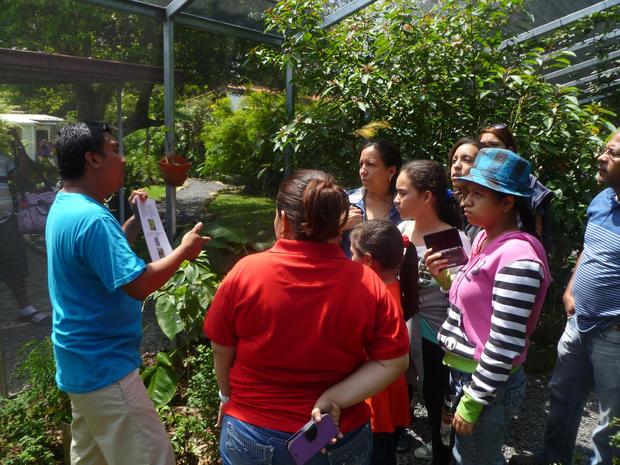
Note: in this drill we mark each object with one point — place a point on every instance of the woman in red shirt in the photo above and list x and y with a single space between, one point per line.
300 330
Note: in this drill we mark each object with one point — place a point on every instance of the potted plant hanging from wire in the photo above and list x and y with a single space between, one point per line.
174 169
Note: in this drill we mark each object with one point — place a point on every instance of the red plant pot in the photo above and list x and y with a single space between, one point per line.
174 169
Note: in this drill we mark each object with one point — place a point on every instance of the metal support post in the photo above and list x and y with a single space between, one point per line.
169 143
4 391
290 114
120 135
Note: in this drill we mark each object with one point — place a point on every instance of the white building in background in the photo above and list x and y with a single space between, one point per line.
37 132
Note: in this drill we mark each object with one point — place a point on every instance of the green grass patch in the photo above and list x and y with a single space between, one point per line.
156 192
253 215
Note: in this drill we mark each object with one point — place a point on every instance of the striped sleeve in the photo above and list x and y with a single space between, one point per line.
514 293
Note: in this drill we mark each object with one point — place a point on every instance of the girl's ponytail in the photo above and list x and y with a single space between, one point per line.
409 281
525 217
448 210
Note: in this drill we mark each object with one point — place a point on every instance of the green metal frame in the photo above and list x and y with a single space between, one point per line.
582 65
177 6
560 22
346 11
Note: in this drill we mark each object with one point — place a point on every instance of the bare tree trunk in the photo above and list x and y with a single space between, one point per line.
140 117
91 101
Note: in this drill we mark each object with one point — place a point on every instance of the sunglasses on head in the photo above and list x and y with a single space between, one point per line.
106 127
500 126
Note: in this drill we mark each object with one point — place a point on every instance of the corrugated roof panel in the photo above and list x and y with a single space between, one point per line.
25 118
246 13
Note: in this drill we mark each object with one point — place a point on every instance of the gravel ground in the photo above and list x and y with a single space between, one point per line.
192 199
526 432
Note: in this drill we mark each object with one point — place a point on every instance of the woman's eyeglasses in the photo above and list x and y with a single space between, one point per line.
611 152
496 127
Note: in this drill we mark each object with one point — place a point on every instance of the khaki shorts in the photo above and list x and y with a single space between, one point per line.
118 425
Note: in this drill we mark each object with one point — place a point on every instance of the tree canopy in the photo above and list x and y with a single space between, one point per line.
80 29
435 76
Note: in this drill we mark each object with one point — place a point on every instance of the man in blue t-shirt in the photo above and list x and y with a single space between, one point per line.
96 285
589 350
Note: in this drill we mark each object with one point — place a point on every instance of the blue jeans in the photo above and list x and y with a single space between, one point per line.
245 444
586 362
484 446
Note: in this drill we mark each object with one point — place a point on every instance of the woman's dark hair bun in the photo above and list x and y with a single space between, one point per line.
315 206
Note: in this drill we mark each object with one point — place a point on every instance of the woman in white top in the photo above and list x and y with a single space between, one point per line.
423 198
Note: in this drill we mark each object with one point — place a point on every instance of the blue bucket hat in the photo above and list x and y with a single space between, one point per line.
502 171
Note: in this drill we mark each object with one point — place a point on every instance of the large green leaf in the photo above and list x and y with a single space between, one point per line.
161 380
216 243
167 316
234 235
260 246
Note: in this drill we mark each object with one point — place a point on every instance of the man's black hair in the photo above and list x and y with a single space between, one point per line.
74 141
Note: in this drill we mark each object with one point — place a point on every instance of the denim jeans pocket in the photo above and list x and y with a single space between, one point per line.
357 451
611 335
242 450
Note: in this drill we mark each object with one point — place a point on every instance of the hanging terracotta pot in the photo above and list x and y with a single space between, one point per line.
174 169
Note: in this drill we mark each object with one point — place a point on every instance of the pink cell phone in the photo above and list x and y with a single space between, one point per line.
311 438
449 243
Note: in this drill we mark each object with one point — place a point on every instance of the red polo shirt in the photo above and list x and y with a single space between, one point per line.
302 317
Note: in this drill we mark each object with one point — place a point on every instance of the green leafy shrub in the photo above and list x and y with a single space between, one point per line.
31 420
181 302
248 227
143 149
190 117
192 426
191 418
25 437
39 370
238 146
179 307
182 383
615 439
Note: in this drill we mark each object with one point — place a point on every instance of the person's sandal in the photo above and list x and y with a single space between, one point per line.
35 318
405 441
526 460
424 452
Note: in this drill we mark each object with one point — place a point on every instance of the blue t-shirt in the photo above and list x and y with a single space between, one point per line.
97 327
597 281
